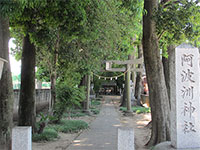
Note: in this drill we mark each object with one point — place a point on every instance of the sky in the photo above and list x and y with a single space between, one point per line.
15 65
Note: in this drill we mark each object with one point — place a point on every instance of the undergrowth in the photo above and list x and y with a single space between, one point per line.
70 126
95 107
95 103
50 131
74 114
48 134
137 109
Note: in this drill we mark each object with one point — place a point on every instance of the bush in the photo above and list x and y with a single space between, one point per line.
70 126
95 103
48 134
95 111
41 124
67 98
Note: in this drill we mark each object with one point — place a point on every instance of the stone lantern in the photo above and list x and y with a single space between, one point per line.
2 61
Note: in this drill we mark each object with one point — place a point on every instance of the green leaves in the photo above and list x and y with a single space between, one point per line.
68 97
177 21
82 33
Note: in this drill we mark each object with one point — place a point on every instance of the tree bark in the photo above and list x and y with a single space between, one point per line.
133 74
6 89
87 102
167 63
159 101
27 91
138 84
53 90
53 76
123 99
83 81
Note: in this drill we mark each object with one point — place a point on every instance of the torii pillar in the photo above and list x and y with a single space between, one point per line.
129 67
128 89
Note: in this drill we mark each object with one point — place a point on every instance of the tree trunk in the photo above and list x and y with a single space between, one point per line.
167 63
83 81
53 90
6 89
87 102
123 99
53 76
27 91
138 84
133 74
155 77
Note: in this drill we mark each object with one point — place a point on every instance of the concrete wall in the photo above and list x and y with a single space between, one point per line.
43 97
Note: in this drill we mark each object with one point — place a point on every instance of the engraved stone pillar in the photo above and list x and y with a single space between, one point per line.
185 105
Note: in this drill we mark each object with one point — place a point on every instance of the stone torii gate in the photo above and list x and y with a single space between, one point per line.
130 67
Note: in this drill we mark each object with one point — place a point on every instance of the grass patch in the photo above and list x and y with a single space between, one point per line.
137 109
74 114
95 106
95 103
70 126
48 134
95 111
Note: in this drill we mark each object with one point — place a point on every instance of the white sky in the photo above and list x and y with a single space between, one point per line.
15 65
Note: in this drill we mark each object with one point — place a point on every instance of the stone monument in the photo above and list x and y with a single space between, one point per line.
185 102
22 138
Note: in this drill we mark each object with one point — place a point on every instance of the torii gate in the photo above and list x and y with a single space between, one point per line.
129 69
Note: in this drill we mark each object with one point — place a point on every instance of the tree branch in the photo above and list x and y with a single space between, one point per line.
160 36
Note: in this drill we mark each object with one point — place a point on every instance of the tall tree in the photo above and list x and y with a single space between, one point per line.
171 23
138 84
23 16
155 77
6 88
176 21
26 110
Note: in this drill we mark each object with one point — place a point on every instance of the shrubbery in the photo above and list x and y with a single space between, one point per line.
67 126
70 126
68 104
67 98
48 134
